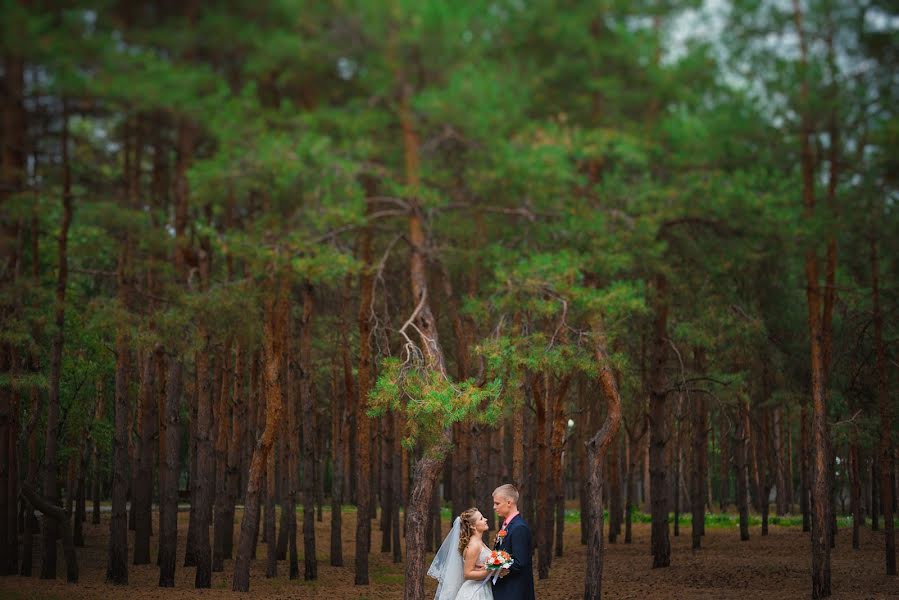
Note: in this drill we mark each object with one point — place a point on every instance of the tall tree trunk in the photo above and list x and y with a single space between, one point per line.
203 432
51 492
804 491
855 496
791 491
387 494
117 564
558 545
259 429
100 415
271 489
582 468
596 449
742 467
283 458
31 477
291 444
318 461
80 512
658 428
699 464
875 492
12 178
161 451
635 454
866 489
782 505
338 441
886 419
724 470
614 494
542 398
235 448
821 582
143 482
678 466
222 437
169 475
276 319
364 503
133 179
556 450
310 565
755 480
343 430
398 477
764 489
190 550
829 291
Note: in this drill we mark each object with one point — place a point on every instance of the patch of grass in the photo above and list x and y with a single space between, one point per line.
715 520
388 574
388 578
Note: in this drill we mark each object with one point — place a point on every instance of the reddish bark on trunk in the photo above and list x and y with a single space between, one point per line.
276 311
338 441
143 482
363 422
819 346
310 565
222 422
596 450
203 483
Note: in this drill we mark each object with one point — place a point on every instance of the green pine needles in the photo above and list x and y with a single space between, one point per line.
430 401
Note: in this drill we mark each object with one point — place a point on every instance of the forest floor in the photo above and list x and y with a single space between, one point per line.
775 567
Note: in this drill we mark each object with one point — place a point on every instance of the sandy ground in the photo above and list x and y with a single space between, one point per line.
775 567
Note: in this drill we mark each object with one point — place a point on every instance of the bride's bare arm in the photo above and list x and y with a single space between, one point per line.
470 568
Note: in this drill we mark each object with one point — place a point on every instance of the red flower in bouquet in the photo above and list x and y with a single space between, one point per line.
498 559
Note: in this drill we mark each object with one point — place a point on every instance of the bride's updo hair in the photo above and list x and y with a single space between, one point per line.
466 527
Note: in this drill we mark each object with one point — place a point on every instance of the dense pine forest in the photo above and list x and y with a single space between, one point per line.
286 286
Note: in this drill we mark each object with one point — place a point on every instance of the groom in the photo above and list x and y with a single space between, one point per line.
514 536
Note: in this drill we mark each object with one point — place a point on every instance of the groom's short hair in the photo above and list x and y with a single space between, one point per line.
507 490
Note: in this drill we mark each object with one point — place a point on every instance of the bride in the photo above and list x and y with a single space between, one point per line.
459 564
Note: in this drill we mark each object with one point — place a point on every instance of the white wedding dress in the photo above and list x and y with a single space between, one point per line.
477 589
447 568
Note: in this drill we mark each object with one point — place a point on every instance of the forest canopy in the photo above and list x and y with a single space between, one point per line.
374 259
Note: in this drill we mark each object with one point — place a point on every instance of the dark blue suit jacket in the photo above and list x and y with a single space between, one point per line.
518 584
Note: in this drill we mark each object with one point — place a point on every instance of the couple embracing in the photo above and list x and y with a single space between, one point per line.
468 569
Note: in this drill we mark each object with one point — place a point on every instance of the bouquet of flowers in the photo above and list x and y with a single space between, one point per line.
497 561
